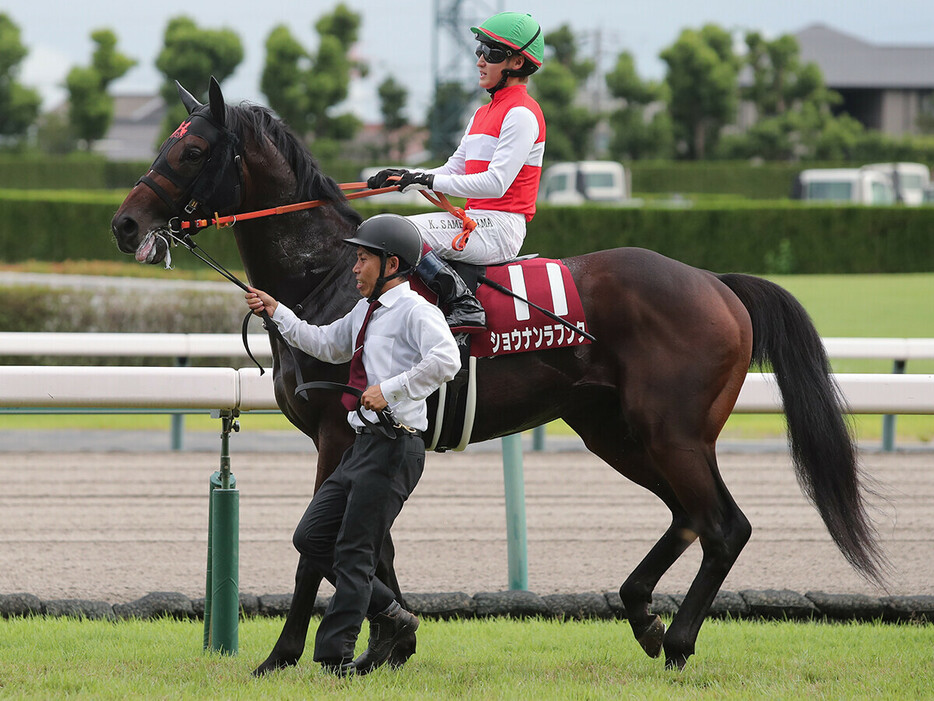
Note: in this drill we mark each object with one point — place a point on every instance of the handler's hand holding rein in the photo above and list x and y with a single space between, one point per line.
257 300
373 399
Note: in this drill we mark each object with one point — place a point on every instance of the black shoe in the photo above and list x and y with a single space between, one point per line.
465 312
386 630
339 669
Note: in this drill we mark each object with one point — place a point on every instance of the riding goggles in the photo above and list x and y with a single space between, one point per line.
492 54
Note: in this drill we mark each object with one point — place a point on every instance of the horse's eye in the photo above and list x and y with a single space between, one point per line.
193 154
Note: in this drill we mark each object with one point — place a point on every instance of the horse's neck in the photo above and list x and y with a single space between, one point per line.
286 262
291 255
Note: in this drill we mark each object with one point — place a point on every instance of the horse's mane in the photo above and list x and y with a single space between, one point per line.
311 182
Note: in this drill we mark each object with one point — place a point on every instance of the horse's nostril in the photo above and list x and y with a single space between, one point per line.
125 226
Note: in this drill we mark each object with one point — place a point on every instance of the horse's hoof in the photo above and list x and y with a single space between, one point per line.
652 638
272 663
402 651
676 663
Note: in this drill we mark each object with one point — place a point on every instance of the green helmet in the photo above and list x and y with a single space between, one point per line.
518 32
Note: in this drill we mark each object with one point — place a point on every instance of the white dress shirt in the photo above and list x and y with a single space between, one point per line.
408 350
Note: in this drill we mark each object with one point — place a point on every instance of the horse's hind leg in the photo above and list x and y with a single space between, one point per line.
722 528
636 591
605 439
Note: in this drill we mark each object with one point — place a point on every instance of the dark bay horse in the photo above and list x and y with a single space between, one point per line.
650 397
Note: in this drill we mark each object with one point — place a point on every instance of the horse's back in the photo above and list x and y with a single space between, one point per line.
638 288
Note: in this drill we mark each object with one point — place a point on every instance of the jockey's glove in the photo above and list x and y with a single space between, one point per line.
415 181
381 179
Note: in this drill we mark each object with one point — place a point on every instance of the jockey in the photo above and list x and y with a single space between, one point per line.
497 167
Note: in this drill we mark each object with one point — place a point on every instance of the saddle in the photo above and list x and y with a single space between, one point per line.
513 326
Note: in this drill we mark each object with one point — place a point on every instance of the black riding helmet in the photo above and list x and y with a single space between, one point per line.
389 235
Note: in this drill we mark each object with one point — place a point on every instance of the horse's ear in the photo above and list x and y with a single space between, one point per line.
191 104
218 107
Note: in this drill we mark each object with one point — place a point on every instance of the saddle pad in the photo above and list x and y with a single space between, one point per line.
516 327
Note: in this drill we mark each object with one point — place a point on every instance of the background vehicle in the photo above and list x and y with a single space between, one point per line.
909 180
585 181
854 185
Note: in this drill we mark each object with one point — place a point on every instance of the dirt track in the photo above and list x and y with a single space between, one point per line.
115 526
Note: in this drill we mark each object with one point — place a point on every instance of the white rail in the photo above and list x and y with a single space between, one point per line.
194 345
246 390
152 345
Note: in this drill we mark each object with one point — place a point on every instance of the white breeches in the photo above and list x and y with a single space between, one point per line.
497 238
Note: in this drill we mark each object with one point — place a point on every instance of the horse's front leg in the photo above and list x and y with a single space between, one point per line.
332 443
291 643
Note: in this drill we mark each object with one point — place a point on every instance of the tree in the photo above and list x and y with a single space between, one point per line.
635 135
19 105
702 78
191 55
90 108
446 118
794 107
392 98
556 86
303 87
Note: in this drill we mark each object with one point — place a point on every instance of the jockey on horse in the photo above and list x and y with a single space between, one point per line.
497 167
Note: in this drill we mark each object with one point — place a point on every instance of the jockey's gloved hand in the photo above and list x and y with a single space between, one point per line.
416 181
381 179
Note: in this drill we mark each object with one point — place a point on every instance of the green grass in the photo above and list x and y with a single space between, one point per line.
485 659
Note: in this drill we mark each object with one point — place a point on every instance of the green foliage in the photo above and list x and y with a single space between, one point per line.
570 126
53 137
702 78
303 88
635 137
191 55
555 86
793 106
74 171
19 105
446 118
738 236
392 98
90 108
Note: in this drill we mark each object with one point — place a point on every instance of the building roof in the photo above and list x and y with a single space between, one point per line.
850 62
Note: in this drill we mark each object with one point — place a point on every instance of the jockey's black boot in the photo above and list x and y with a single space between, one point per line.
387 628
464 311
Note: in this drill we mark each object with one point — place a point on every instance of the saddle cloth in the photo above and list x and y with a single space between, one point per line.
516 327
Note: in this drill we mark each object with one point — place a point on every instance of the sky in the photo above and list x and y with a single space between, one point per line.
396 36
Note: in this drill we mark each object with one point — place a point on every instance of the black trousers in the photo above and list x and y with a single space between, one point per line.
344 526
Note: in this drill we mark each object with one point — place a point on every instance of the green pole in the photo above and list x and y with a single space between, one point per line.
213 483
225 585
222 587
514 488
888 421
538 438
178 420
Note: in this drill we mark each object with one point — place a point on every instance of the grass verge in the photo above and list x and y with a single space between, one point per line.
481 659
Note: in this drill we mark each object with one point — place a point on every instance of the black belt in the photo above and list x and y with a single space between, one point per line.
399 431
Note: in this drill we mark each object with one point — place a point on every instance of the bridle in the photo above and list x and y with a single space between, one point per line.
221 190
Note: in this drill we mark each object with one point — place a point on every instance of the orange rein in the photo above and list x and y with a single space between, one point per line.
436 198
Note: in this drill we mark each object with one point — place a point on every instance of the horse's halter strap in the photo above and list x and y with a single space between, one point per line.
217 186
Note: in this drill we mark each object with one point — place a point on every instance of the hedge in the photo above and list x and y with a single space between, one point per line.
764 237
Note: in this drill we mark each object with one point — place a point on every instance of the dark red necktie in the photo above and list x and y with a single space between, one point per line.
357 371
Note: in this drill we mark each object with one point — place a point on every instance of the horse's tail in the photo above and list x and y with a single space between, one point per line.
822 448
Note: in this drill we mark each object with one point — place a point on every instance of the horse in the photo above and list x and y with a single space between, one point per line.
649 397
